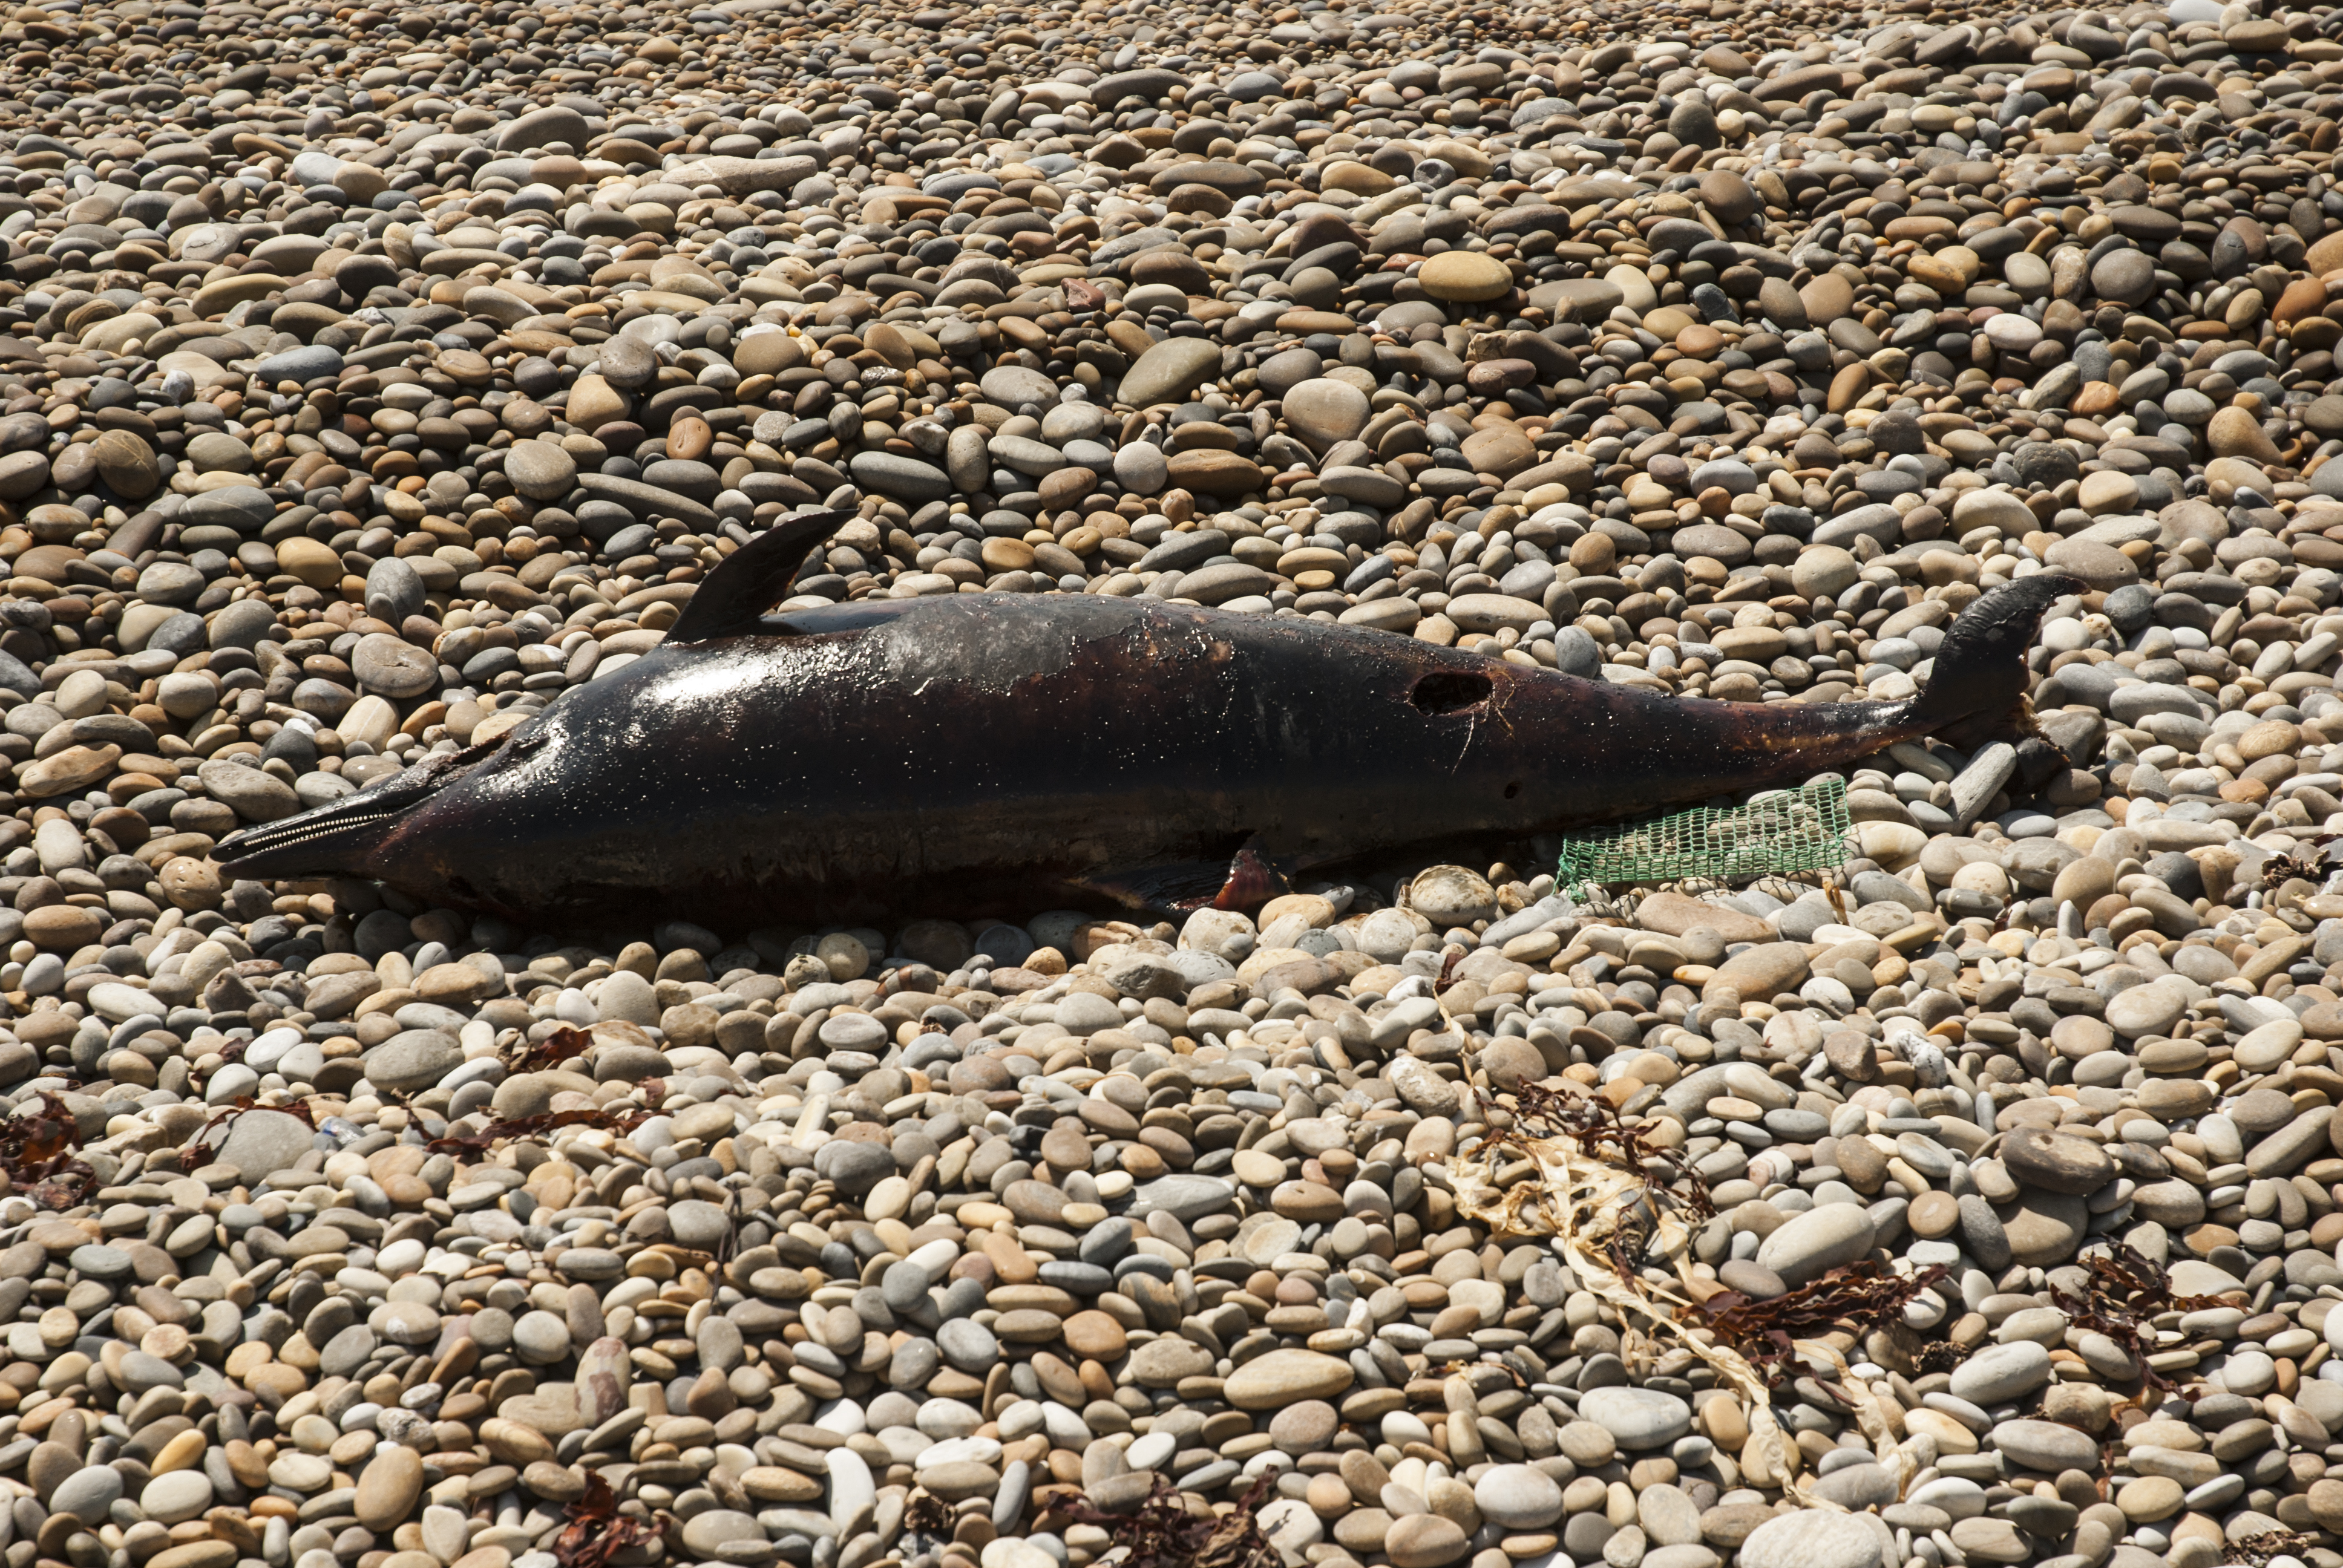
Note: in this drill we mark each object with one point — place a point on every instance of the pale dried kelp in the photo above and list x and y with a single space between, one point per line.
1617 1200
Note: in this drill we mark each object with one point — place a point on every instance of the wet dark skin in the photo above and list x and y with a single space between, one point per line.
1018 753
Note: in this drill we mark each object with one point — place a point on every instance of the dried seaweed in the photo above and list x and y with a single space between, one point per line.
2260 1549
1579 1174
928 1514
498 1130
2278 870
1858 1297
728 1245
597 1531
2121 1300
1163 1532
1938 1356
36 1152
564 1044
199 1153
1598 1129
1447 977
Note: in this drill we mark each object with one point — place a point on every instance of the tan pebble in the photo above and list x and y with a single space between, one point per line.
1425 1541
1256 1168
1466 277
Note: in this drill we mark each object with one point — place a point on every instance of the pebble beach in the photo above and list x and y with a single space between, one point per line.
371 376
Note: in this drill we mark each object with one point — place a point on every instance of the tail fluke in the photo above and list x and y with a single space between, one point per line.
1976 692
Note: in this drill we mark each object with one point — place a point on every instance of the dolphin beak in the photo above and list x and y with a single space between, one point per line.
337 839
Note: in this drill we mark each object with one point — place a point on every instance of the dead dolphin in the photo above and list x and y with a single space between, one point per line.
1012 752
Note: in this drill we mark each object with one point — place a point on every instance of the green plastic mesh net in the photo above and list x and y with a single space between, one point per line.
1781 833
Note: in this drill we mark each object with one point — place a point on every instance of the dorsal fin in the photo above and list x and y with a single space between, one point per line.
753 579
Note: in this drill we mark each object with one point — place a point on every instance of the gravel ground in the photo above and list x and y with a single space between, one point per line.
370 378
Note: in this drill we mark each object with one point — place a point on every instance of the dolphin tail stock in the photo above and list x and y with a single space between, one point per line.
753 579
1976 693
